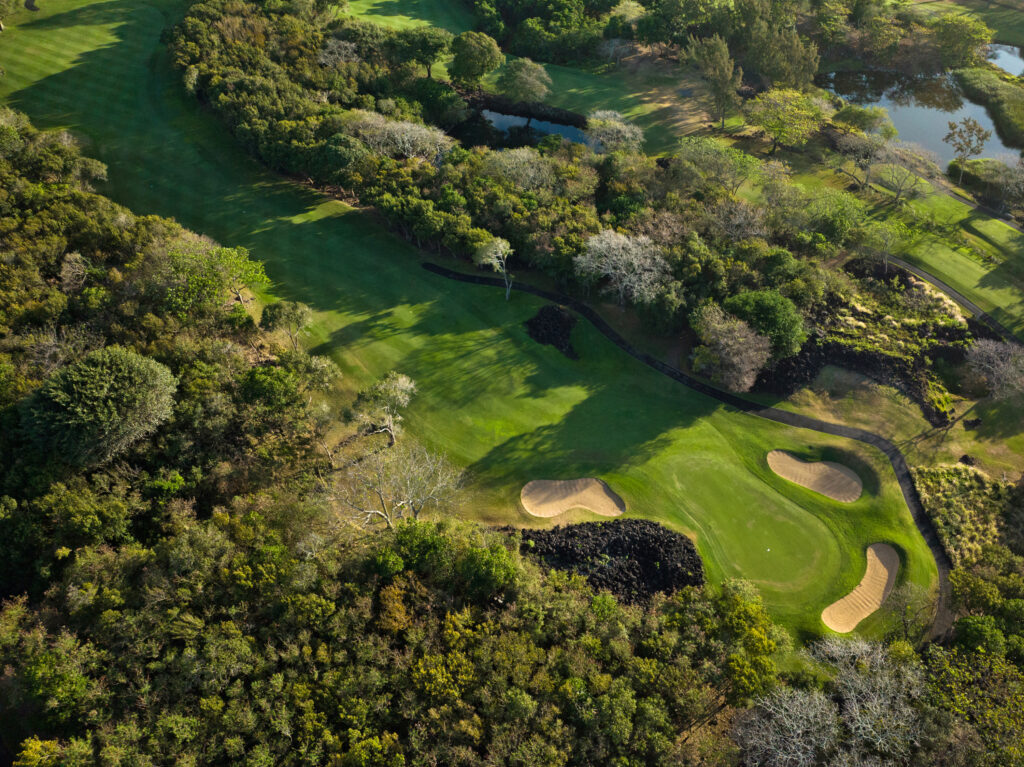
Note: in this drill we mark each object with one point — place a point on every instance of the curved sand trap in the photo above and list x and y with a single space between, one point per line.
838 482
874 587
551 497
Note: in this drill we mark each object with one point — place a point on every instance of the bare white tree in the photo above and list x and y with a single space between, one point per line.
904 169
868 717
378 410
735 220
789 728
336 52
398 138
397 483
731 352
876 697
633 266
72 273
524 167
496 254
608 131
1000 364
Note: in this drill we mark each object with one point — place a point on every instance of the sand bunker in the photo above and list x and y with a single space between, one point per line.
838 482
870 593
549 498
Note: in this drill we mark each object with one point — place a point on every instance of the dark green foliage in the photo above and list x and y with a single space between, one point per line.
97 408
475 55
773 315
545 30
434 644
126 390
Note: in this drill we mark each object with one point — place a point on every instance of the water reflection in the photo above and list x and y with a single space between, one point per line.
1008 58
510 123
920 107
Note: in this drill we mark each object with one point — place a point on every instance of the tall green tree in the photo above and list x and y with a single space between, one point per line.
476 54
720 73
968 139
771 314
524 80
962 39
788 116
425 45
290 316
94 410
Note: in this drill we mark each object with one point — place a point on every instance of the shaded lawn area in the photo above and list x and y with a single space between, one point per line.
1003 17
501 405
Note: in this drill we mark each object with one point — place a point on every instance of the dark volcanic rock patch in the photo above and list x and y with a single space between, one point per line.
632 558
553 325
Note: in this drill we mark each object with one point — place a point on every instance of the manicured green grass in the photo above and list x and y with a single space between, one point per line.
506 408
454 15
1007 21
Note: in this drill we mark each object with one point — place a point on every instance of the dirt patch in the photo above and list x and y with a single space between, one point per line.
873 589
553 325
632 558
838 482
551 497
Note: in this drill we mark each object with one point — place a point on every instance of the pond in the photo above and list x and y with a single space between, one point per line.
507 123
1008 58
920 108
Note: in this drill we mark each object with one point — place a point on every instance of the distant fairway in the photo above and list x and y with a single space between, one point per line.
654 98
505 407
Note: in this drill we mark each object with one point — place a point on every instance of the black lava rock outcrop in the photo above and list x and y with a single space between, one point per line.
553 325
631 558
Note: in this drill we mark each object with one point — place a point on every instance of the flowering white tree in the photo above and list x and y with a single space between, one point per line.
608 131
524 167
496 254
1001 364
398 138
379 409
633 266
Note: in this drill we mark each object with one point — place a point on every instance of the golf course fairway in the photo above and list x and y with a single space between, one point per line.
507 409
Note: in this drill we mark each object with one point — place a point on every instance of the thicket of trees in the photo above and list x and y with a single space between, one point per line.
343 102
185 545
193 570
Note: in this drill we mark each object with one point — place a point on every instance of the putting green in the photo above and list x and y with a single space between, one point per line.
508 409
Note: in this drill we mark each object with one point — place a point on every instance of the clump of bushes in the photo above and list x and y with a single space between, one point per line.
970 510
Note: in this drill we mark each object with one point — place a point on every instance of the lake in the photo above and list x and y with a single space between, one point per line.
920 108
506 123
1008 58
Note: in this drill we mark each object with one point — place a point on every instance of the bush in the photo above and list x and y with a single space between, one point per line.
96 409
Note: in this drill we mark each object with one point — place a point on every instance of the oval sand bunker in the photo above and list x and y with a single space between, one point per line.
838 482
870 593
551 497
